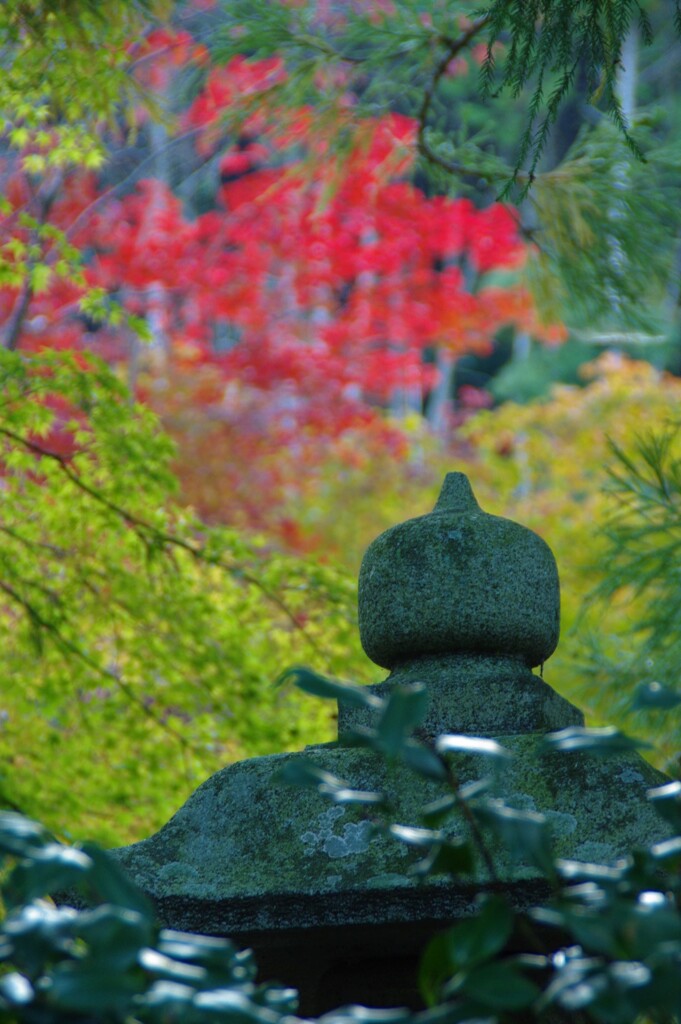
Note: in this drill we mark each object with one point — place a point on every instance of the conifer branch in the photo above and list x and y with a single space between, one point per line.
555 39
452 48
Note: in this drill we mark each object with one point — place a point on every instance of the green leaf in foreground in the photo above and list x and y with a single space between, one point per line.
365 1015
319 686
112 885
465 946
667 802
15 989
451 857
403 712
303 773
655 696
90 987
19 836
423 760
526 834
500 986
472 745
604 742
54 867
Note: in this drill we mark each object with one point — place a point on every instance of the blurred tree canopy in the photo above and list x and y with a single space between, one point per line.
486 85
135 639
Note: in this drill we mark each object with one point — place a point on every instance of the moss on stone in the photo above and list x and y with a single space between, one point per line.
242 834
458 580
472 694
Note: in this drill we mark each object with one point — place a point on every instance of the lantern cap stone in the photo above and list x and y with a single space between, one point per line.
458 581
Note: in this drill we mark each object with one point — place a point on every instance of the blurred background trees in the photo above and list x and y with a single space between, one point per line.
277 227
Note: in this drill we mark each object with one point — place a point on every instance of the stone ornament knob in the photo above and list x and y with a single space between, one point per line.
458 581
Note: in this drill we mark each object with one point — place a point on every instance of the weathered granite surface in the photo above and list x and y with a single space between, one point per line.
476 695
245 854
458 579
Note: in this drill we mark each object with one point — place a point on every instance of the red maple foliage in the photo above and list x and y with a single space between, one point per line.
301 305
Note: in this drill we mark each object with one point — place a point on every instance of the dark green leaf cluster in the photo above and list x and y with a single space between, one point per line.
110 961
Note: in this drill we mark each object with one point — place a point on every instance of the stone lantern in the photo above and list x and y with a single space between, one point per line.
467 603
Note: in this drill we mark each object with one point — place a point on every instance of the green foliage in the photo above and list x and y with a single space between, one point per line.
644 532
135 639
385 58
643 554
604 742
111 962
65 71
607 237
22 259
467 945
66 79
549 43
406 51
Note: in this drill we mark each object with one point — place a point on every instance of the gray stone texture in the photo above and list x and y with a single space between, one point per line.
460 580
247 854
474 695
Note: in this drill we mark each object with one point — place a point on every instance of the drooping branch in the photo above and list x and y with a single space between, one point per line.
151 535
452 48
68 646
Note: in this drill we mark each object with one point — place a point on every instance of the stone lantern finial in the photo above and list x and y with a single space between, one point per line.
456 495
468 603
